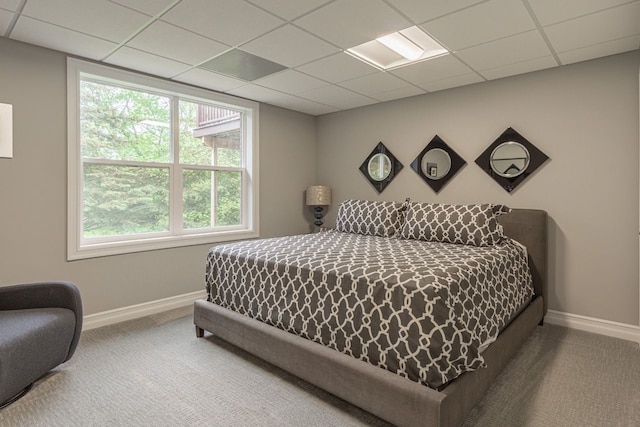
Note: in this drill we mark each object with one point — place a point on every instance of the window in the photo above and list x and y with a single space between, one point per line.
154 164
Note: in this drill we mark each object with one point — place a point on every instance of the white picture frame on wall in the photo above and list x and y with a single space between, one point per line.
6 130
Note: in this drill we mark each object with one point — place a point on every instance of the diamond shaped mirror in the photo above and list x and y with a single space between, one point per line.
437 164
380 167
510 159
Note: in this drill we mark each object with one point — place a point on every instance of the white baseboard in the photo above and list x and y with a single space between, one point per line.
574 321
140 310
597 326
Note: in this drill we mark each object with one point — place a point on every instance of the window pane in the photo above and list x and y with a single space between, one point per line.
120 200
209 135
124 124
196 208
228 197
211 198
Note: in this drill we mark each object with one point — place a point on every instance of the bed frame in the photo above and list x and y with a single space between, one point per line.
393 398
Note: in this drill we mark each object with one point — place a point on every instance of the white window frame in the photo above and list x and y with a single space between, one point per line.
80 248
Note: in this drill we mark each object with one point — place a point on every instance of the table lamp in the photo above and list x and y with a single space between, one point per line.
318 196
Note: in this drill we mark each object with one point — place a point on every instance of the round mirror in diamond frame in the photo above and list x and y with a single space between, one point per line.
510 159
379 167
436 163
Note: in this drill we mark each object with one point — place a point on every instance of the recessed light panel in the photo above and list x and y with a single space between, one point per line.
398 49
242 65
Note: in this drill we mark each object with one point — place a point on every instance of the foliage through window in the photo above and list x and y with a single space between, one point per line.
157 164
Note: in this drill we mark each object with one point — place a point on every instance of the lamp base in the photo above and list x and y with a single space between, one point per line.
318 216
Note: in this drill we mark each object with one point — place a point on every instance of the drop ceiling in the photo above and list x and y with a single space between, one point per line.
306 40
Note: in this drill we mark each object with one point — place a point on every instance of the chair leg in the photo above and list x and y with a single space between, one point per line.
20 394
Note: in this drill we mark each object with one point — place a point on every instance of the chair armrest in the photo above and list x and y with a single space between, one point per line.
45 295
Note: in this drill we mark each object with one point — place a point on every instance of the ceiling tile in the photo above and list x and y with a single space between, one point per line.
348 23
337 68
550 12
5 20
11 5
256 93
172 42
146 62
150 7
403 92
432 69
421 11
375 83
479 24
99 18
209 80
510 50
302 105
291 82
289 46
600 50
337 97
288 9
451 82
520 68
229 22
53 37
611 24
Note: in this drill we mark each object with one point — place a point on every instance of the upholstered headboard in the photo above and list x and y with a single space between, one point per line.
529 227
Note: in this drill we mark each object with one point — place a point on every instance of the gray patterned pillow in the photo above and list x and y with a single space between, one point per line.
375 218
475 225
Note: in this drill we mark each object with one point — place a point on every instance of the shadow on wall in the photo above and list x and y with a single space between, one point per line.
556 245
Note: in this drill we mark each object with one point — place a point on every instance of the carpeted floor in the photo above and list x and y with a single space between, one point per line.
155 372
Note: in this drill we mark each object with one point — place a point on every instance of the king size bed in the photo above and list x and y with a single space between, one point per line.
407 310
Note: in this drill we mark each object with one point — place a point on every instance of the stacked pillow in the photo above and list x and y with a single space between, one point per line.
371 218
475 225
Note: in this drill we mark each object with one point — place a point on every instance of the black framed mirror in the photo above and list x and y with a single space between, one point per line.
510 159
380 167
437 164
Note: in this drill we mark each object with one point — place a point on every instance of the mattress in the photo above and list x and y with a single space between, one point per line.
421 310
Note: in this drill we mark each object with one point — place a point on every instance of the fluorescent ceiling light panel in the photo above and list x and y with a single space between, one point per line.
398 49
402 45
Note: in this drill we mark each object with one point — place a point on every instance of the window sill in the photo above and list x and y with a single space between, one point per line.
119 248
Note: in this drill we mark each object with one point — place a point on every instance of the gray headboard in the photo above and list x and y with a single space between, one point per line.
529 227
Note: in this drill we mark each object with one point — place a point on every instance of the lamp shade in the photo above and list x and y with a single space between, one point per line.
318 195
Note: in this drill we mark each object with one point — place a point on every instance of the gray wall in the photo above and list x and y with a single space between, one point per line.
33 189
583 116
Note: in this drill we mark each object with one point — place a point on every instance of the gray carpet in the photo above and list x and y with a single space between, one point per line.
155 372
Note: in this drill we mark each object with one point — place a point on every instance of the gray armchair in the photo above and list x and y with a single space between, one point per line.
40 325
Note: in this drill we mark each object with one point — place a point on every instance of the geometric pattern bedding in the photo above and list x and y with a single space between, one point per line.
422 310
372 217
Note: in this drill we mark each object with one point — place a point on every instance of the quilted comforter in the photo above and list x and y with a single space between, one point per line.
422 310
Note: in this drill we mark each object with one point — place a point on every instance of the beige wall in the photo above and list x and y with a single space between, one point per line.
33 199
583 116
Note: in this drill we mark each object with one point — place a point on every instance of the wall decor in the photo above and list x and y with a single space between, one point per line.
6 130
380 167
510 159
437 163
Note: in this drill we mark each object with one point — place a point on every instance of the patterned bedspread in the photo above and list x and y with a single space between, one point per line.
419 309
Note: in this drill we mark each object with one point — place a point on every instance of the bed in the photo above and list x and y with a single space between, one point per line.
269 309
